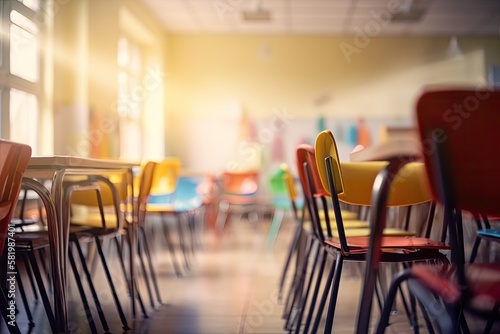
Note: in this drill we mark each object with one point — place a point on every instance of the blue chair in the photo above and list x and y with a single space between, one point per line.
176 196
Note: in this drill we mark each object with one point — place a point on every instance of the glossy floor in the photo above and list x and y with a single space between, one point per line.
231 287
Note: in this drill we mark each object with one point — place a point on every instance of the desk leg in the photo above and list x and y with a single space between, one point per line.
63 229
53 225
132 243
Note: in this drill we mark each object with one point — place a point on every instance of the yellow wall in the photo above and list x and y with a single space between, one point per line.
210 70
199 86
214 78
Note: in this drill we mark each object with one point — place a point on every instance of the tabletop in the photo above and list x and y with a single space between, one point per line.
410 148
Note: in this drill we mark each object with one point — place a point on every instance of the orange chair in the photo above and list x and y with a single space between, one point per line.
459 135
14 159
238 195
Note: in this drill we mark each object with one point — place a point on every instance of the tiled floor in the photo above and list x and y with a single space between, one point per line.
231 288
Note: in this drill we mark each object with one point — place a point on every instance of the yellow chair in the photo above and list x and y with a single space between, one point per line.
163 202
97 215
103 210
353 183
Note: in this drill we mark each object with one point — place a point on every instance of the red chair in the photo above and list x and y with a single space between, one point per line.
14 159
459 135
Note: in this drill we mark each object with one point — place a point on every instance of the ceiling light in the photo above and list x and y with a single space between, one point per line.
257 13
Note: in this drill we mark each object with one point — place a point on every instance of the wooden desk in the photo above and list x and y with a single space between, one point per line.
56 168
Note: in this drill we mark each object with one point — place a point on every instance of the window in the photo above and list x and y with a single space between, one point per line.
130 98
20 71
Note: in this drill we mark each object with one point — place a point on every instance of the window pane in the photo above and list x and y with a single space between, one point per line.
23 118
23 22
23 49
123 56
33 4
130 98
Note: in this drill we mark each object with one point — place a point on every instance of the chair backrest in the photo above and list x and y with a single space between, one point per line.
460 145
277 182
89 198
312 187
166 176
14 159
283 190
240 183
145 185
460 128
306 153
354 180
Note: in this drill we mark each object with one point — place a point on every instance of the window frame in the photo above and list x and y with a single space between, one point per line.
7 79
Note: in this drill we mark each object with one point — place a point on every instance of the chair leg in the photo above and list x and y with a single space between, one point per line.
29 273
414 320
425 315
90 283
119 248
253 216
191 224
298 280
274 228
4 304
324 297
334 293
291 250
24 299
42 257
389 300
41 289
475 249
129 281
111 285
303 301
170 246
222 216
182 241
151 267
299 292
144 271
491 318
314 298
79 285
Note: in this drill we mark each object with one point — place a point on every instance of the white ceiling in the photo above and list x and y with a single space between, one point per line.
331 17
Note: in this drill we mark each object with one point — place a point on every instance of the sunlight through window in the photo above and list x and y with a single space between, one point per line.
23 112
23 47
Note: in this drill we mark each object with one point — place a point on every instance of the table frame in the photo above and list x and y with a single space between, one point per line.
56 168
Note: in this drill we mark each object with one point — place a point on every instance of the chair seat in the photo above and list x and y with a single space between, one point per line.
365 232
93 219
239 199
392 244
346 215
348 225
28 241
491 234
172 207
